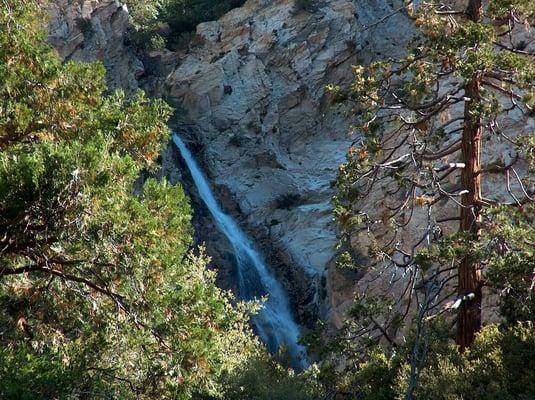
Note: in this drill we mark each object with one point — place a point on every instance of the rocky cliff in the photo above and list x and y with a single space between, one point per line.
93 30
250 98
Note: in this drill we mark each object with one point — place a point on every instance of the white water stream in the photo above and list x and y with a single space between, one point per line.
274 322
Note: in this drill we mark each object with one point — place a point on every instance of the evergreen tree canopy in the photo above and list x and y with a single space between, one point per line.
100 295
456 221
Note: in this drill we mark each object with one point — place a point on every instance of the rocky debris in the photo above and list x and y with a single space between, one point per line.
95 30
252 96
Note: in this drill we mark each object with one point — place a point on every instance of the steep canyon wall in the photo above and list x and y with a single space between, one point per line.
250 99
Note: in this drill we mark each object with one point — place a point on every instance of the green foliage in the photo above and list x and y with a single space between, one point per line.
100 294
50 377
345 260
262 378
498 8
498 366
511 260
373 377
527 143
144 13
145 19
185 15
182 16
416 119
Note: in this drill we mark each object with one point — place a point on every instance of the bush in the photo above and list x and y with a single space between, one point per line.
86 27
262 378
121 308
50 377
148 40
500 365
183 16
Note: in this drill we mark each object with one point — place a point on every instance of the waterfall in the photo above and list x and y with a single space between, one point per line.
274 322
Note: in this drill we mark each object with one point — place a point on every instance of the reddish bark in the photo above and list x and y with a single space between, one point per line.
475 9
469 273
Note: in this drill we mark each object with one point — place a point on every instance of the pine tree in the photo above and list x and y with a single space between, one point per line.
438 131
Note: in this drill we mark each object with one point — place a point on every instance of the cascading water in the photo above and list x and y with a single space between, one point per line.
274 323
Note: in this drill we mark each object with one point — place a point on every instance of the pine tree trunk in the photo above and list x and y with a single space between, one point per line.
469 274
469 321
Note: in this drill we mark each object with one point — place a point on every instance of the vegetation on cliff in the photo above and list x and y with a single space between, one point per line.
181 16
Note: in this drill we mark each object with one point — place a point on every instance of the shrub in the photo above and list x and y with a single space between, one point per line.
262 378
85 26
183 16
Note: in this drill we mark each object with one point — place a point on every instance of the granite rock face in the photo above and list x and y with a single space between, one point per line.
96 30
251 98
